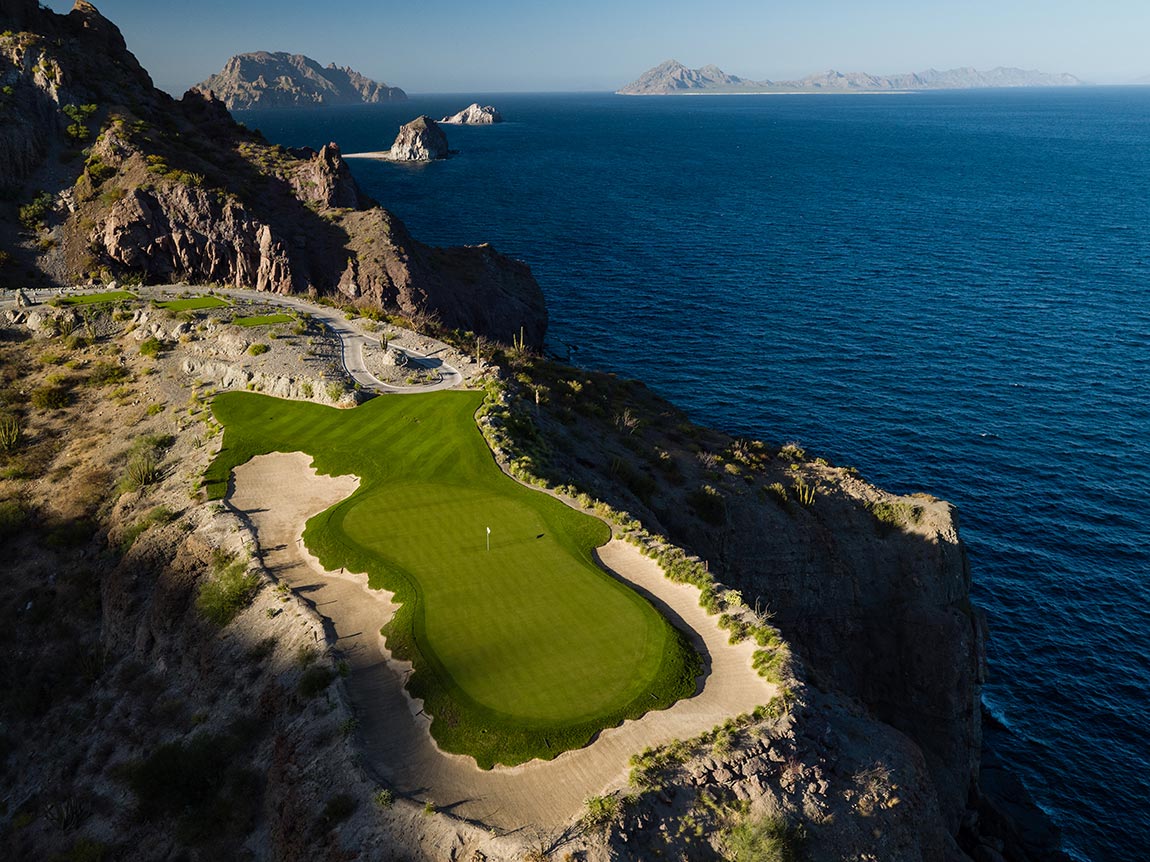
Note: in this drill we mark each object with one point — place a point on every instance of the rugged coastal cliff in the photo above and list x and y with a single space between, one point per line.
113 179
875 754
265 79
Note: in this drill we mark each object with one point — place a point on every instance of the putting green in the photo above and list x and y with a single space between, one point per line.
521 651
98 298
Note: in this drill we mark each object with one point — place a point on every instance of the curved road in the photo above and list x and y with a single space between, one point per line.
351 338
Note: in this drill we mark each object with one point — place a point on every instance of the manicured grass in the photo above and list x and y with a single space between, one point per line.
523 651
263 320
193 303
97 298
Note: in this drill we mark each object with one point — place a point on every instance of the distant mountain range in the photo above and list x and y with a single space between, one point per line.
673 77
278 80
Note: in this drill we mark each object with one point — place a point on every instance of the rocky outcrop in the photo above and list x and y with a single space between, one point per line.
168 190
265 79
421 140
326 181
673 77
475 115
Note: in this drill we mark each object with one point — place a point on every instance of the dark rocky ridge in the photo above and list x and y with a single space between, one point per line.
265 79
177 191
673 77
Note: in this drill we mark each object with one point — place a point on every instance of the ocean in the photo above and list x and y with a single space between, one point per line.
945 290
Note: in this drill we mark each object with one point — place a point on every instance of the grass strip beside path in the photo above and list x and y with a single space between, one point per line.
523 651
263 320
193 303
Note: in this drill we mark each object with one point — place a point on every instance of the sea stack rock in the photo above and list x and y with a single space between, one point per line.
421 140
475 115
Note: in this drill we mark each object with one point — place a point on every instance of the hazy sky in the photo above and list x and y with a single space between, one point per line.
459 46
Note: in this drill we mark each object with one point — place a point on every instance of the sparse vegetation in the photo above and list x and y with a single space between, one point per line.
151 347
11 432
33 214
227 591
258 349
600 810
315 680
759 839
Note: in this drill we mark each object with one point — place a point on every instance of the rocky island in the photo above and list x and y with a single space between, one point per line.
475 115
421 140
265 79
172 694
673 78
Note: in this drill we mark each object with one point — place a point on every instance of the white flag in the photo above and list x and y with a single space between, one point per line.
489 531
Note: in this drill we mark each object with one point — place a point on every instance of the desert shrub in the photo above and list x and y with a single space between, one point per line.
51 397
600 810
98 170
776 490
258 349
141 470
33 213
11 432
200 782
227 591
384 798
792 452
78 129
338 809
151 347
804 493
709 505
113 195
895 515
107 373
759 839
13 516
315 680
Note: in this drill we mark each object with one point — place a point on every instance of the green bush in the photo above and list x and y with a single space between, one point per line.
52 397
33 213
760 839
600 810
142 470
200 782
78 129
228 590
709 505
315 680
107 373
13 516
151 347
257 349
384 798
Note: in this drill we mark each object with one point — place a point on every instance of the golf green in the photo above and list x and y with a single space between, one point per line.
522 650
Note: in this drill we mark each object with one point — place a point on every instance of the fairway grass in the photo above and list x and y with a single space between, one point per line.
98 298
263 320
522 651
193 303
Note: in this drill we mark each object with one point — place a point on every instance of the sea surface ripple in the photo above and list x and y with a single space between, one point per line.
946 290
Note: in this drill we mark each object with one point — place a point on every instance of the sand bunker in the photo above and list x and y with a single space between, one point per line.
279 492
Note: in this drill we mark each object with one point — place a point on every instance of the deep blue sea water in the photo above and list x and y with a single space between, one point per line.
946 290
